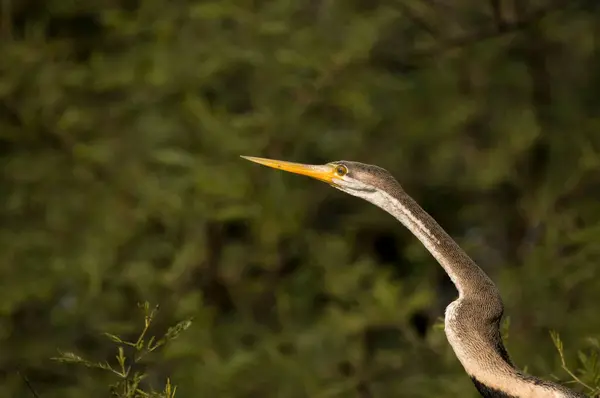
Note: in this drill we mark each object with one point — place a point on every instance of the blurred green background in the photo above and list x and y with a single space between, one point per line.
121 126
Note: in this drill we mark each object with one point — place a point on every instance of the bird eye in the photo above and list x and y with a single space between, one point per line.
341 170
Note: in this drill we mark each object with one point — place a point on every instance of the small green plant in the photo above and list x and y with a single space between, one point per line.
128 384
587 373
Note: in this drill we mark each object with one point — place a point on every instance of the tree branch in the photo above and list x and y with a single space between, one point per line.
498 13
487 34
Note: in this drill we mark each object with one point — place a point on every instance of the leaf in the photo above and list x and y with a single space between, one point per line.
114 338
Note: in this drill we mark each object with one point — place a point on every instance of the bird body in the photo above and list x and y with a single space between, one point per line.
472 321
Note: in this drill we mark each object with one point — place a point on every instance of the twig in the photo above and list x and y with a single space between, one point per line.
497 11
486 34
417 20
28 384
559 347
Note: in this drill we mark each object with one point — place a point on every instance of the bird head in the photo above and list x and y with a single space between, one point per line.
357 179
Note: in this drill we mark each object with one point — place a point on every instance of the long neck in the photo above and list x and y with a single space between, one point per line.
462 270
472 321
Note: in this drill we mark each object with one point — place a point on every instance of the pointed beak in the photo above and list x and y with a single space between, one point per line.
323 173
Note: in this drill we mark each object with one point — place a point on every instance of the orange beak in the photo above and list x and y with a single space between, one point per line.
323 173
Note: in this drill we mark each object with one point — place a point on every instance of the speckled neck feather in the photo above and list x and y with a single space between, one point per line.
472 321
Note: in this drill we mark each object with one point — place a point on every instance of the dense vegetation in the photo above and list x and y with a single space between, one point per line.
121 126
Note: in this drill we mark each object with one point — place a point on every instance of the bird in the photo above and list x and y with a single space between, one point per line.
472 321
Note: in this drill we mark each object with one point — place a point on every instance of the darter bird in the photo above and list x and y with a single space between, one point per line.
472 320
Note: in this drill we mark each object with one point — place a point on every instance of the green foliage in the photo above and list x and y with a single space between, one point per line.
129 377
121 126
587 373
